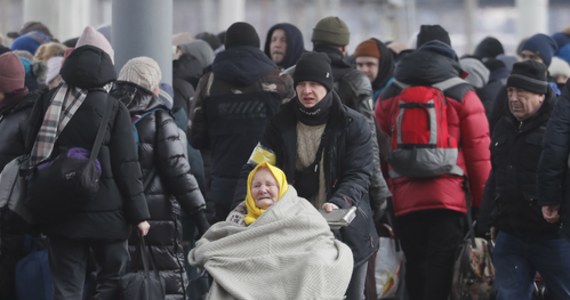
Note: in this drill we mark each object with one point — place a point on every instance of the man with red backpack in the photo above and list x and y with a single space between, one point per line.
439 155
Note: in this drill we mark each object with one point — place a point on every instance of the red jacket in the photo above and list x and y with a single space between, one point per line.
466 122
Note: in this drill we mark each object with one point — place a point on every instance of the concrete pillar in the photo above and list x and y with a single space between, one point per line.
532 17
231 11
470 12
42 11
73 16
143 28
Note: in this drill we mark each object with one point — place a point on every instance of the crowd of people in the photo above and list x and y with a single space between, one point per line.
226 168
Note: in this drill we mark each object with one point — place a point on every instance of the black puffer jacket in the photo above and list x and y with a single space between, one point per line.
347 157
13 127
162 149
553 180
120 200
515 149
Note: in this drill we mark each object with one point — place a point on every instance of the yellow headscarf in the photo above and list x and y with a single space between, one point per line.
253 212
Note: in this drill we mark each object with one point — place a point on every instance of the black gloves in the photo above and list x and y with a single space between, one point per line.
201 222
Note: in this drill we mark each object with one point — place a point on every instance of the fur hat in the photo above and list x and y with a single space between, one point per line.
314 66
92 37
241 34
543 45
12 74
331 31
429 33
367 48
143 71
529 75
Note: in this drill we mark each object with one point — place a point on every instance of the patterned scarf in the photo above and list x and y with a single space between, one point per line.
63 106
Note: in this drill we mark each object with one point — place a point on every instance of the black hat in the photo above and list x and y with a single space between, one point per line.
432 32
529 75
489 47
241 34
314 66
29 27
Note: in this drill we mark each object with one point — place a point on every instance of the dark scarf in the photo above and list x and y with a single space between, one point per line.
316 115
385 66
12 100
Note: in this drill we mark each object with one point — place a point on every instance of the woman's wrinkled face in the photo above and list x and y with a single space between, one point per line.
264 189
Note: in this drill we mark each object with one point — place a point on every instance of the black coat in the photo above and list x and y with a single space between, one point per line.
515 149
161 154
347 158
13 127
553 179
120 201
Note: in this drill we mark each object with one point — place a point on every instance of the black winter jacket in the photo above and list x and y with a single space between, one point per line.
120 200
515 149
13 127
553 177
355 91
347 158
162 149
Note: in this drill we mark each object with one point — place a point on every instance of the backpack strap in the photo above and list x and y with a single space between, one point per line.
448 83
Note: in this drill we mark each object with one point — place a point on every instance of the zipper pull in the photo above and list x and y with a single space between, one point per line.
316 167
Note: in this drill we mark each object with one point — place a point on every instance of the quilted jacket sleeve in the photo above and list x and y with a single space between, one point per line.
475 141
173 165
553 163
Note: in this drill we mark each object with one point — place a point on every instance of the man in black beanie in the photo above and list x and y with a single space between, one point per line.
232 104
325 150
527 224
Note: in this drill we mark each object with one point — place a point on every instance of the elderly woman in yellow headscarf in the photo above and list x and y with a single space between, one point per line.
278 230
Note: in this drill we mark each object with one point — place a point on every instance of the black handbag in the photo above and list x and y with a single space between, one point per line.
68 180
146 284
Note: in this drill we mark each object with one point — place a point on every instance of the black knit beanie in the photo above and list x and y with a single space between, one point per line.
432 32
529 75
314 66
241 34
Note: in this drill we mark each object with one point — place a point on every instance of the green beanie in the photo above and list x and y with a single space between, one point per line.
331 31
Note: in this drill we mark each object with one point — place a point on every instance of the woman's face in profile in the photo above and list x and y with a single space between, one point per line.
264 189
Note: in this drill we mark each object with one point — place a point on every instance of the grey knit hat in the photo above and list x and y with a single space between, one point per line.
331 31
143 71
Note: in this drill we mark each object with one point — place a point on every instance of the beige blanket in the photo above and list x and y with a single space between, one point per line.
288 253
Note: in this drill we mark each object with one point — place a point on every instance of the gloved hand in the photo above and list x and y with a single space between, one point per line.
201 222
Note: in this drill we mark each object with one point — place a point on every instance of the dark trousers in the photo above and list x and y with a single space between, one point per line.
430 240
355 289
69 260
222 194
11 252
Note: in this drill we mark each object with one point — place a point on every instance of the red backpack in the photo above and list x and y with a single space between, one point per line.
420 144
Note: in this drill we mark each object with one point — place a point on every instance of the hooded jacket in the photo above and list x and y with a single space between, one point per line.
233 104
295 44
161 152
120 201
466 122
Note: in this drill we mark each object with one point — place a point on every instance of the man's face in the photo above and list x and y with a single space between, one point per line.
310 93
523 104
529 55
278 45
368 65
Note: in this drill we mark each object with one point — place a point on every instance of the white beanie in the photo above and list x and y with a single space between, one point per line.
143 71
559 66
53 67
91 36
